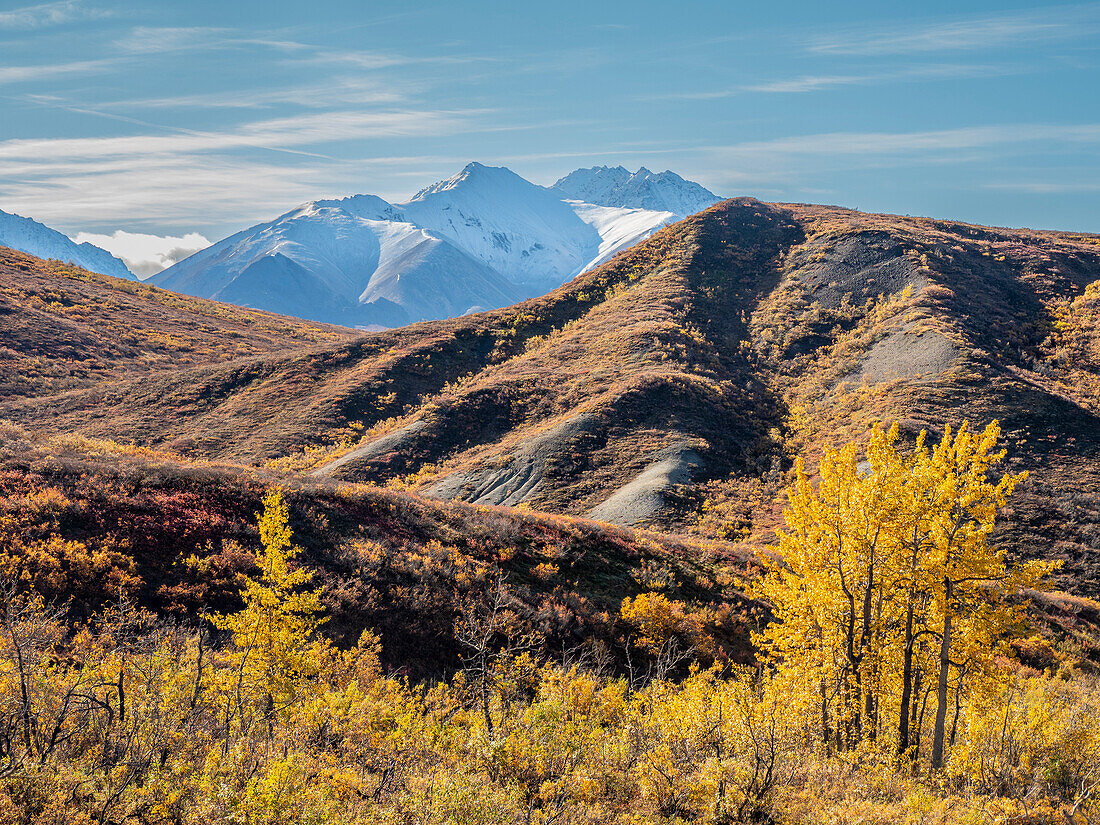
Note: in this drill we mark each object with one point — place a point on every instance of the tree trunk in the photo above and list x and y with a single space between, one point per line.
955 718
485 696
857 708
870 713
941 690
918 725
121 697
904 722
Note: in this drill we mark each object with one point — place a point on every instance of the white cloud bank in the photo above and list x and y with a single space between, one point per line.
146 255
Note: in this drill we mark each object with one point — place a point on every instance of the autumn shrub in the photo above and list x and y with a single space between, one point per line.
1036 733
256 717
713 749
35 555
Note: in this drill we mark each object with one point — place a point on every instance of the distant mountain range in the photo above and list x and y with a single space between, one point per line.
482 239
618 186
34 238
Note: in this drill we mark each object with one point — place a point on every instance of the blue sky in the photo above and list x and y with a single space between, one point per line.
171 118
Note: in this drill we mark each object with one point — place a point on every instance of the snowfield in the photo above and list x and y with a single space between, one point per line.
619 228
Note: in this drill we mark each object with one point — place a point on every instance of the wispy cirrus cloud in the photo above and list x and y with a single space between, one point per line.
335 92
49 71
166 39
163 192
801 163
803 84
918 142
374 60
968 33
167 179
278 134
1046 187
161 39
42 15
939 71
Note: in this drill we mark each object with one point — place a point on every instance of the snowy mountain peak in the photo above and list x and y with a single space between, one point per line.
476 176
37 239
664 192
523 231
368 207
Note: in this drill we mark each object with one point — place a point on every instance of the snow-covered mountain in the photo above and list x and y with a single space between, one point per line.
39 240
523 231
615 186
481 239
350 262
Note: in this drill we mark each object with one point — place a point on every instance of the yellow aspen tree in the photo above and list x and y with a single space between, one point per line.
965 574
830 585
273 652
883 559
918 495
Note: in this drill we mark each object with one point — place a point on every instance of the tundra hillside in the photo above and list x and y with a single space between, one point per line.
645 549
674 385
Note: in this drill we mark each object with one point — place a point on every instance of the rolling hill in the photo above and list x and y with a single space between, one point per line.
673 385
66 328
95 522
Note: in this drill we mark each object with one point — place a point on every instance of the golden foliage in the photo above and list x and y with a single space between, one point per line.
128 719
885 579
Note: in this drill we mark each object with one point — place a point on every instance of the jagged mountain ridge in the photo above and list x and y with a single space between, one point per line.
521 230
619 187
692 367
37 239
481 239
